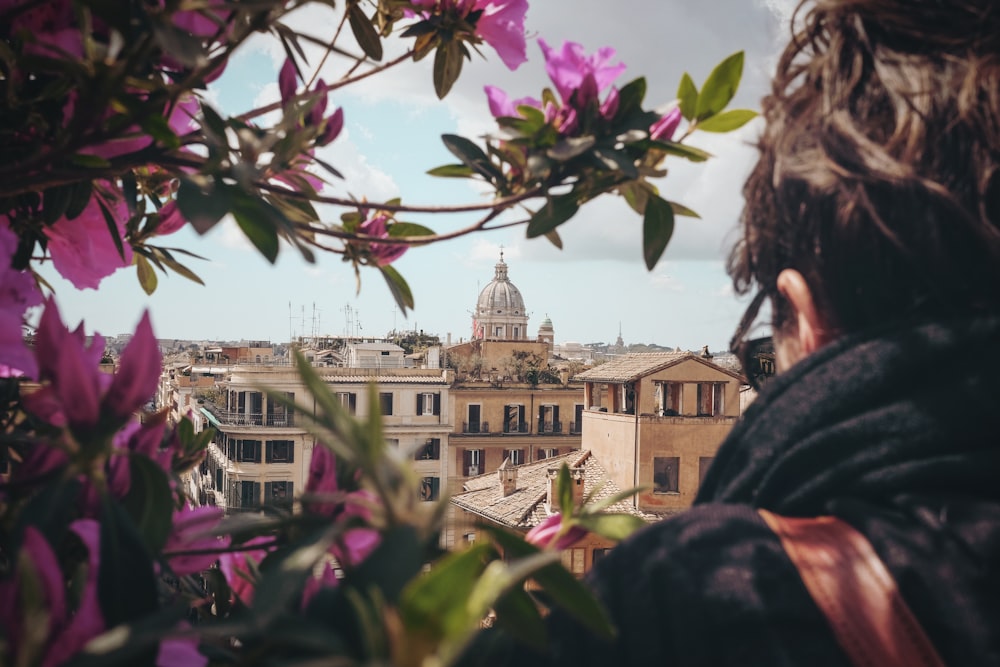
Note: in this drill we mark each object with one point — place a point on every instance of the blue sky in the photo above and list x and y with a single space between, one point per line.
392 136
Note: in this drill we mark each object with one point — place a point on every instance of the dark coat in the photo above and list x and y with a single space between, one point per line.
897 433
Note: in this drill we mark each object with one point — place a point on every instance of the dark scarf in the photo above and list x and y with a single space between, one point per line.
897 412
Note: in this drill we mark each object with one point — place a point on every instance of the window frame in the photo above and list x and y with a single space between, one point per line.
671 477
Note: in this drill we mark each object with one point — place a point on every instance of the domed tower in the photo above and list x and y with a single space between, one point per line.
546 334
500 310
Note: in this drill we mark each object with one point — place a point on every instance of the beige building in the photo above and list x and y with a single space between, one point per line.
262 451
656 420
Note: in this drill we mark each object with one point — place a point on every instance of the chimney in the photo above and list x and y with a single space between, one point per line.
508 477
576 476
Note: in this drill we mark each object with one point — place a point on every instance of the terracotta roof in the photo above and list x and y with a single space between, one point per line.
525 507
630 366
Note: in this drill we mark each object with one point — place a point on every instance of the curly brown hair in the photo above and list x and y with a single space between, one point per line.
878 169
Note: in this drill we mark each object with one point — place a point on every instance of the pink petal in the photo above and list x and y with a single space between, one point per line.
663 129
502 27
287 80
138 374
82 249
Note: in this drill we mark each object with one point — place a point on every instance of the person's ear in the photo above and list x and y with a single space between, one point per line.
811 331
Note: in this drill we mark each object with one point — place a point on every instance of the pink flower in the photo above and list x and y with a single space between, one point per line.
82 249
570 69
501 105
545 534
194 529
48 28
287 80
171 219
77 393
381 253
239 567
663 129
180 652
356 543
18 292
68 630
501 25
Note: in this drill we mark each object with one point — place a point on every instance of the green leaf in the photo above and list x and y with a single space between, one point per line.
637 193
157 127
570 147
447 67
564 491
687 93
180 44
126 586
727 120
720 87
145 273
213 123
556 211
112 224
518 614
617 161
149 502
681 209
82 192
55 201
252 217
681 150
472 156
630 97
657 228
202 209
89 161
562 587
364 32
612 526
392 565
399 229
436 602
397 285
554 239
452 171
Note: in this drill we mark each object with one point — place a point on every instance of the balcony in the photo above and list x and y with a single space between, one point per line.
475 427
521 428
252 419
550 428
575 428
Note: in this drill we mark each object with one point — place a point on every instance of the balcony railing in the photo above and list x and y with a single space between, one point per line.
253 419
523 427
475 427
550 428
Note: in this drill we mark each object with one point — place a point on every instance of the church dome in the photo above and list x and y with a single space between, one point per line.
500 297
500 311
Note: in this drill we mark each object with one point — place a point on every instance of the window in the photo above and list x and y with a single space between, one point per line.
703 464
278 493
665 474
577 425
670 398
430 451
599 554
385 403
218 479
247 451
278 414
249 494
256 412
515 456
392 442
430 488
548 419
710 399
473 425
429 403
279 451
472 462
574 560
348 400
513 421
546 453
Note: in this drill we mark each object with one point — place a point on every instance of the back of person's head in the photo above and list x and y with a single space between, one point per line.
879 170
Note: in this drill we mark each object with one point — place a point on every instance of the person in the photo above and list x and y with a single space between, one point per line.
872 227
